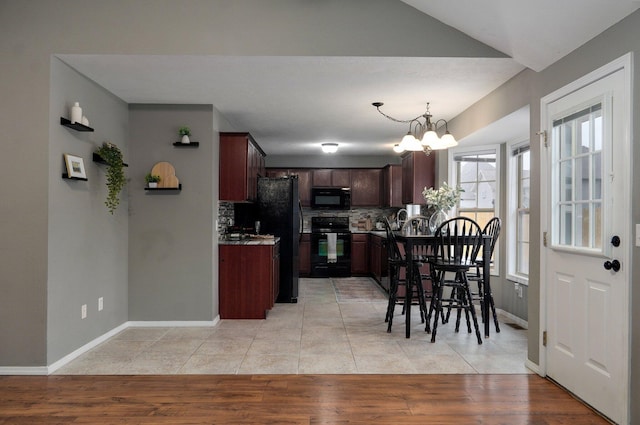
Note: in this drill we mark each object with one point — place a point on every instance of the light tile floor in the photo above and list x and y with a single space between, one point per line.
327 331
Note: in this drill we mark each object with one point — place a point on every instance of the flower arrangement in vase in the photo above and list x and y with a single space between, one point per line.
441 200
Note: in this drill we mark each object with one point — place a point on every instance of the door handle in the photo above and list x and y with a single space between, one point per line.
612 265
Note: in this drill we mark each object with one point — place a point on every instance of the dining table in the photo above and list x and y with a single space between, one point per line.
417 247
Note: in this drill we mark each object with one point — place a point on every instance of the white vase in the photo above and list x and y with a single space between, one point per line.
76 113
436 219
153 185
185 140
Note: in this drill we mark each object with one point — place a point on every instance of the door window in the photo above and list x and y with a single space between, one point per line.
577 165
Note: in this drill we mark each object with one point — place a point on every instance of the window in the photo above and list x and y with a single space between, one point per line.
477 172
577 160
519 184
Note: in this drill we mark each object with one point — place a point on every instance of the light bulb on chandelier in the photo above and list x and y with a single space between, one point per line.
422 135
329 147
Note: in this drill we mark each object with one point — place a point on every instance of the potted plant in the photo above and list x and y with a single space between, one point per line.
112 155
152 180
185 132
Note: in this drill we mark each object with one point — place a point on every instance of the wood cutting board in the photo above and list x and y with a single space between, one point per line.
167 174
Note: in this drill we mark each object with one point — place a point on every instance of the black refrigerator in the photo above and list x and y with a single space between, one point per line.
280 214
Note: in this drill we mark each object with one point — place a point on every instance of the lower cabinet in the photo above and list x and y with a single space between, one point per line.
248 280
360 254
378 260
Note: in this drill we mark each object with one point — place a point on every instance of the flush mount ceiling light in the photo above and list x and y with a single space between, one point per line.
422 134
329 147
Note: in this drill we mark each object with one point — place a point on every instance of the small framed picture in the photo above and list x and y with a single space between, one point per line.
75 166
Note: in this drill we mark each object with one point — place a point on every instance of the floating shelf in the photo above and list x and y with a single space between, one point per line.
186 145
97 158
66 176
151 189
76 125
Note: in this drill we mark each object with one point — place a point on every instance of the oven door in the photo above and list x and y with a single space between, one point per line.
320 264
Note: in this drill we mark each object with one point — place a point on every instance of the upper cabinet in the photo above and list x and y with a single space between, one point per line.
392 186
366 186
241 163
304 181
418 172
332 177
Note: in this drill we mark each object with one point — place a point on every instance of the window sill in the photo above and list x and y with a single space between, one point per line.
518 279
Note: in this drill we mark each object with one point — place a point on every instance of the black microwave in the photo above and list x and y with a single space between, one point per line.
331 198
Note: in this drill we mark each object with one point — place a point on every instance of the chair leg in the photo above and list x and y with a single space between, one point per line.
437 305
393 297
495 316
473 312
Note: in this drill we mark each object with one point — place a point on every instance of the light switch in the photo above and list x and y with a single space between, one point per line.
637 234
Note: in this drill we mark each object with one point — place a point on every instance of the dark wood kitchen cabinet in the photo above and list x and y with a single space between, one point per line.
360 254
304 181
332 177
249 280
366 187
378 260
305 255
241 163
392 186
418 172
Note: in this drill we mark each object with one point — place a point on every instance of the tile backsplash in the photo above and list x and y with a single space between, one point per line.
226 216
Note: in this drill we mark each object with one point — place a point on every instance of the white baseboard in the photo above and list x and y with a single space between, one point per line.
47 370
515 319
172 324
80 351
23 370
533 367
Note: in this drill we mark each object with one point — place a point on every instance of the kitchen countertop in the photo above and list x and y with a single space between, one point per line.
250 241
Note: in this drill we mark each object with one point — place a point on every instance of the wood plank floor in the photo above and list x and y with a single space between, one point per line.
289 399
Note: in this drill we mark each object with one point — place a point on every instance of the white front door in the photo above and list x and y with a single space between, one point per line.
586 218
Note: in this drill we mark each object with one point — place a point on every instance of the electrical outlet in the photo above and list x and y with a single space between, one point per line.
518 289
83 311
100 303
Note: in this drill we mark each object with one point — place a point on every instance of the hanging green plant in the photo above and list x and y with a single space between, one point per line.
112 155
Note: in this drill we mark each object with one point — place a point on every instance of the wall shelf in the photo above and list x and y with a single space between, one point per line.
75 126
97 158
66 176
175 189
186 145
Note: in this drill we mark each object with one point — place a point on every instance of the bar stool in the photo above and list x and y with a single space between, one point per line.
492 229
397 262
458 241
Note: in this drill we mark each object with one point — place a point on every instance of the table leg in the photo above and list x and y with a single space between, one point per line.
408 288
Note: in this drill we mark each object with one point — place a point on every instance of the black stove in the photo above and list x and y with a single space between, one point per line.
330 247
329 224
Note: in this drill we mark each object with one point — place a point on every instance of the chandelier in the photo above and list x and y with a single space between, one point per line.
422 134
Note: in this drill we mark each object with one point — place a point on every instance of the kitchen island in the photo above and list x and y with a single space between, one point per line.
249 277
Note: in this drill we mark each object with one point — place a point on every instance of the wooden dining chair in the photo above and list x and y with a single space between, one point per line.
457 243
398 284
492 228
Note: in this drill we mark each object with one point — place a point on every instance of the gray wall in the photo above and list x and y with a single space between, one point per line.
331 161
87 245
171 233
33 30
528 88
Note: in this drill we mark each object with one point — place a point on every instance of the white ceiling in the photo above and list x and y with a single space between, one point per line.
293 104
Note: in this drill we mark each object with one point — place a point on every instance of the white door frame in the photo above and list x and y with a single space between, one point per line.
623 64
